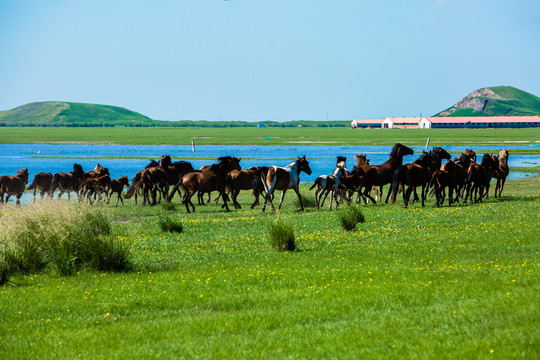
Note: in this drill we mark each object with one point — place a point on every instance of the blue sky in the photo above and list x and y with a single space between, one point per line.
256 60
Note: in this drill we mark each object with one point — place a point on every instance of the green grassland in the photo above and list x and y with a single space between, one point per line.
458 282
58 113
271 136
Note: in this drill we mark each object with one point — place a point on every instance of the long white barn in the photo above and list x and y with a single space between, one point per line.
473 122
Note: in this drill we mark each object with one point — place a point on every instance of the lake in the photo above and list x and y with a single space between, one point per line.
55 158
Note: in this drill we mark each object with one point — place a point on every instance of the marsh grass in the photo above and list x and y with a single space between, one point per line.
350 216
169 206
60 236
169 224
308 199
282 236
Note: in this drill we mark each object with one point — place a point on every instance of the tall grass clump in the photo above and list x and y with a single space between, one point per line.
349 216
166 223
282 235
59 236
308 199
169 206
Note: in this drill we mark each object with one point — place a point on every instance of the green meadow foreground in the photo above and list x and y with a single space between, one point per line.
447 283
269 136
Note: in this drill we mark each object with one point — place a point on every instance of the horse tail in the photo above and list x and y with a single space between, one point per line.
32 185
396 180
263 180
54 184
175 189
434 182
228 184
133 188
317 182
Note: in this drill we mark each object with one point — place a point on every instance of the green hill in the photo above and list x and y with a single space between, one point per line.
57 113
495 101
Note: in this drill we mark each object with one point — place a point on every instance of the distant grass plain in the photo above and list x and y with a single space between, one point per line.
270 136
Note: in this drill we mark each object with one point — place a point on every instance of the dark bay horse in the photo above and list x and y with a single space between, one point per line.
67 182
174 172
479 177
117 186
42 182
284 178
13 185
380 175
417 174
135 186
213 179
246 179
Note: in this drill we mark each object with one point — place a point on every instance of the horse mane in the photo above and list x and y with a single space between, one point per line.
153 163
393 153
425 157
77 168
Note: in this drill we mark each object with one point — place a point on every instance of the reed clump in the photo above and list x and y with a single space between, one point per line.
61 236
282 236
169 224
350 216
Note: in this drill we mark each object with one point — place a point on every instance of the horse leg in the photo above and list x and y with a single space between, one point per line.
503 180
424 194
283 197
269 196
387 195
406 196
325 195
224 196
297 191
368 196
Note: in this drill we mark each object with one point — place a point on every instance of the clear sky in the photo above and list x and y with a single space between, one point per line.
255 60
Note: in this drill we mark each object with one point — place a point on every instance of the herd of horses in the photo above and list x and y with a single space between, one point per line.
459 180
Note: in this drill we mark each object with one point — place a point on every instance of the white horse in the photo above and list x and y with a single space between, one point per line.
284 178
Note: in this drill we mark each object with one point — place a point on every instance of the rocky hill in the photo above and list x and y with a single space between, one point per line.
495 101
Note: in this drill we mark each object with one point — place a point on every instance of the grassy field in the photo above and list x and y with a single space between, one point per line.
271 136
445 283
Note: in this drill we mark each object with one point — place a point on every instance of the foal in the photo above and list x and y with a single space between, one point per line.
13 185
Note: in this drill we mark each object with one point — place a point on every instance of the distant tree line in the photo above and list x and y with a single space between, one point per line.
194 123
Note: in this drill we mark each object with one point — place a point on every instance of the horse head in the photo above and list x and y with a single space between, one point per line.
400 150
123 180
230 163
471 154
77 169
98 168
341 161
165 160
23 174
153 163
303 165
487 161
503 153
361 160
439 153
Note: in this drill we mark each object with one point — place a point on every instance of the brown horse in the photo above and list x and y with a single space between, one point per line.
479 177
136 184
174 172
95 187
213 179
67 182
154 180
117 186
502 171
442 179
284 178
380 175
246 179
13 185
42 182
417 174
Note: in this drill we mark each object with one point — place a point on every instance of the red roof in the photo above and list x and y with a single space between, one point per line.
483 119
372 121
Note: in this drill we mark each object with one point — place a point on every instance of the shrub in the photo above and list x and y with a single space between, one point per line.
282 236
308 199
349 216
169 224
170 206
61 236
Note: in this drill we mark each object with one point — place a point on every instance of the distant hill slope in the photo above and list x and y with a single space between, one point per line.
495 101
57 113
